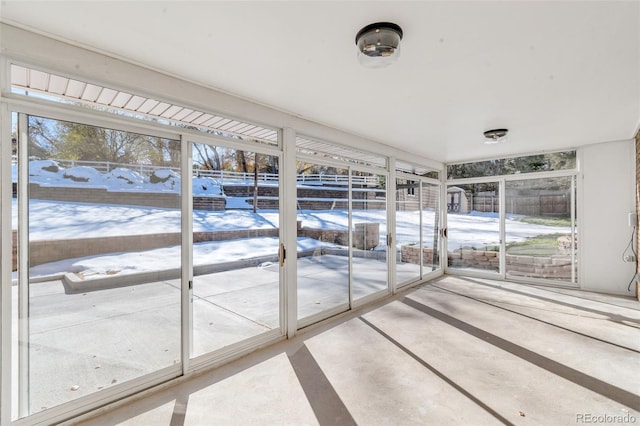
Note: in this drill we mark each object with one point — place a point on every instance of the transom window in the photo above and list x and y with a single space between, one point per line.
554 161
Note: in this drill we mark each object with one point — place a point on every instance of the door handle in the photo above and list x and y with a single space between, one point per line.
282 254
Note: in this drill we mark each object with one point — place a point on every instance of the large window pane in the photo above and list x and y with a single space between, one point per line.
474 227
540 240
369 218
236 283
323 240
430 198
103 285
15 345
417 229
408 232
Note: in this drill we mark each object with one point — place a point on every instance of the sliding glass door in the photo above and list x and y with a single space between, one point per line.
430 201
323 222
369 230
98 294
417 229
541 229
533 239
236 242
408 231
473 227
342 246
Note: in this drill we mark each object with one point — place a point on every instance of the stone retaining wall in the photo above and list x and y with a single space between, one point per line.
209 203
333 236
554 267
366 236
46 251
234 234
303 192
102 196
477 259
411 254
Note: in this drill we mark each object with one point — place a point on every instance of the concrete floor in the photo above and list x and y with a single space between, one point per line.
455 351
83 342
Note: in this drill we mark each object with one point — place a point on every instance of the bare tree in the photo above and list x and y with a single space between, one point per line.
208 157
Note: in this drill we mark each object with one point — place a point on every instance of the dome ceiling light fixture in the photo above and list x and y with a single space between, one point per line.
495 136
378 44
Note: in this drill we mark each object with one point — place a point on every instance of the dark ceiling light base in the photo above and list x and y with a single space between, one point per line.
495 135
379 44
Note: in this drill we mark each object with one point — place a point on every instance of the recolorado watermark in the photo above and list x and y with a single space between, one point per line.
605 418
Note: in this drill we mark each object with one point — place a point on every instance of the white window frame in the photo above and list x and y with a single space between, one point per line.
23 48
502 179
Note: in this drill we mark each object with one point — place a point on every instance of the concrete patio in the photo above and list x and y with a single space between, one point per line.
83 341
452 351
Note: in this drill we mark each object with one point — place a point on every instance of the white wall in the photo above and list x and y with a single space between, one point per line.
606 198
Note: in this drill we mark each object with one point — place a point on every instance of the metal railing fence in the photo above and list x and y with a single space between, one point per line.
222 176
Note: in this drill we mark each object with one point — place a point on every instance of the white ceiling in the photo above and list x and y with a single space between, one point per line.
557 74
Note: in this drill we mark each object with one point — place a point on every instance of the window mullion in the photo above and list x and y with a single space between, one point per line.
186 304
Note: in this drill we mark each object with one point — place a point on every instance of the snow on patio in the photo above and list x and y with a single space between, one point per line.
50 220
66 220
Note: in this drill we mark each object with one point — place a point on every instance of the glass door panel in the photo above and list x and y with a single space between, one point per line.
323 241
408 231
540 229
430 201
369 243
236 275
102 302
473 223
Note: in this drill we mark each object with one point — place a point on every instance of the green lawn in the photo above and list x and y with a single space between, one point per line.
548 221
540 246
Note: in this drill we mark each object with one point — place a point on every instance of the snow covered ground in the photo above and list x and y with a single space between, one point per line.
67 220
60 220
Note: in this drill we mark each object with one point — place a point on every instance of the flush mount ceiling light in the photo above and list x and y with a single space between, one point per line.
378 44
495 136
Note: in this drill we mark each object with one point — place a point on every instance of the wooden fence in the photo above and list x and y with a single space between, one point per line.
548 204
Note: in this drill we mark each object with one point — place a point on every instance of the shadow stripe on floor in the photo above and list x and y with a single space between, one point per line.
179 410
325 401
598 386
610 316
439 374
497 306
